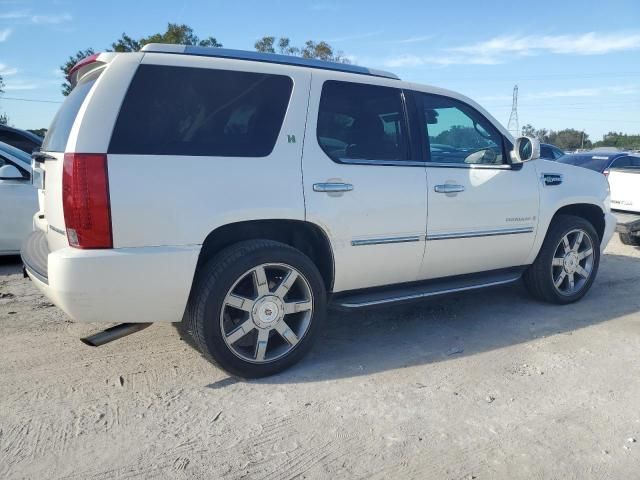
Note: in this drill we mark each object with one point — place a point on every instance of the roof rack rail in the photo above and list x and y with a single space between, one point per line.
265 57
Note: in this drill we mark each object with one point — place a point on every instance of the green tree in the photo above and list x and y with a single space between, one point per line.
175 34
311 49
3 117
68 65
619 140
41 132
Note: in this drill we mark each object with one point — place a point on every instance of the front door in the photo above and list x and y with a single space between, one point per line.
483 212
360 183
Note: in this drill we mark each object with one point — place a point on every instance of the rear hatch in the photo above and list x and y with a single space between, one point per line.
625 187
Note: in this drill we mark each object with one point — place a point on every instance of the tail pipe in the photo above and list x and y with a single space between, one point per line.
113 333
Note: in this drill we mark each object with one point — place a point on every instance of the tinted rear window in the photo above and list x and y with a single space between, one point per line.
201 112
58 133
597 163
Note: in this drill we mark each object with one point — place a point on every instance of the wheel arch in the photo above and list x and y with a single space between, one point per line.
305 236
590 212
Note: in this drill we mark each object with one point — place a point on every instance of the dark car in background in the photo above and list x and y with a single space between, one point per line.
20 139
599 161
550 152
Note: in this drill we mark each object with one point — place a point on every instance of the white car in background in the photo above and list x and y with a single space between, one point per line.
18 199
624 180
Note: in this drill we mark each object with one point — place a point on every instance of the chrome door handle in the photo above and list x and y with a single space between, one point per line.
332 187
449 188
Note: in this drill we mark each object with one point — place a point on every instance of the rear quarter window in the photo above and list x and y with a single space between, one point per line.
201 112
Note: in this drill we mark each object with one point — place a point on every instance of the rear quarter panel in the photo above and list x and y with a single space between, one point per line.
179 200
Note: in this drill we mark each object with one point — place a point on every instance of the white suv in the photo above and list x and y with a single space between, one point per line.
241 193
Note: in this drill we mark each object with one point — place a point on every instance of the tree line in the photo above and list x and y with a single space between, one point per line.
184 35
572 139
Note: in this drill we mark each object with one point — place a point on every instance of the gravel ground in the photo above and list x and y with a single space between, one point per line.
485 385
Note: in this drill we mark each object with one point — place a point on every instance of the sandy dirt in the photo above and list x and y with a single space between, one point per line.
483 385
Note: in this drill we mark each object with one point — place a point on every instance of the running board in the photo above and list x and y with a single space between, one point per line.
416 290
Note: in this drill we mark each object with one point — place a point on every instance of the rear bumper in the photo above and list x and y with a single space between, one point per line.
628 222
137 285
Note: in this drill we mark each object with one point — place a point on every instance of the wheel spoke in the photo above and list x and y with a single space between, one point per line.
587 253
241 303
286 284
560 279
284 330
572 281
557 262
240 332
295 307
565 243
578 241
261 345
582 272
260 277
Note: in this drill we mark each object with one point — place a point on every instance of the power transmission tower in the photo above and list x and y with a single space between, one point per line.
514 126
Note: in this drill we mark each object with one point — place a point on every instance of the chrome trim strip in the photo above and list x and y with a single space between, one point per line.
480 233
416 163
383 241
415 296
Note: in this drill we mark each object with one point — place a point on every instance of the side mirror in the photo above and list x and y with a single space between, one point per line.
525 149
9 172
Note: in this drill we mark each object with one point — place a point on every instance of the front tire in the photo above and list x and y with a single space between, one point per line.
256 308
567 263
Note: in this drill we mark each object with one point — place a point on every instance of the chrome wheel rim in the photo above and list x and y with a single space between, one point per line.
266 312
572 263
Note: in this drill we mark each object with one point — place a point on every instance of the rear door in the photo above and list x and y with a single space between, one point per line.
362 183
624 180
17 206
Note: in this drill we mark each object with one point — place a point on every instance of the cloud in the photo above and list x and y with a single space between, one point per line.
51 19
5 70
4 34
14 15
504 48
416 39
571 93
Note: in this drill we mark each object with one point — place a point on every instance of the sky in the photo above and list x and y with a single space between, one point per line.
576 63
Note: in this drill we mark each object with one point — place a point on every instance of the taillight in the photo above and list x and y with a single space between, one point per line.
85 200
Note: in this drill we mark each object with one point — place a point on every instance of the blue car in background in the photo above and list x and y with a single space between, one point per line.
550 152
599 161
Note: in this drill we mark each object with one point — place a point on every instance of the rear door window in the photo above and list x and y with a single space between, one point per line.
58 133
201 112
362 122
19 141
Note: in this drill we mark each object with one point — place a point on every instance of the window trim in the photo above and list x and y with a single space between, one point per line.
407 125
426 146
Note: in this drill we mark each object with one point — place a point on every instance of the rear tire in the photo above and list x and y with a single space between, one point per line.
628 239
256 308
567 263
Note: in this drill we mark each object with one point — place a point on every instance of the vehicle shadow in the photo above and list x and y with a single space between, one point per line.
10 265
365 342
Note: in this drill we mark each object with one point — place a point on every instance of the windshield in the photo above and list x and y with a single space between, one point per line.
597 163
15 153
